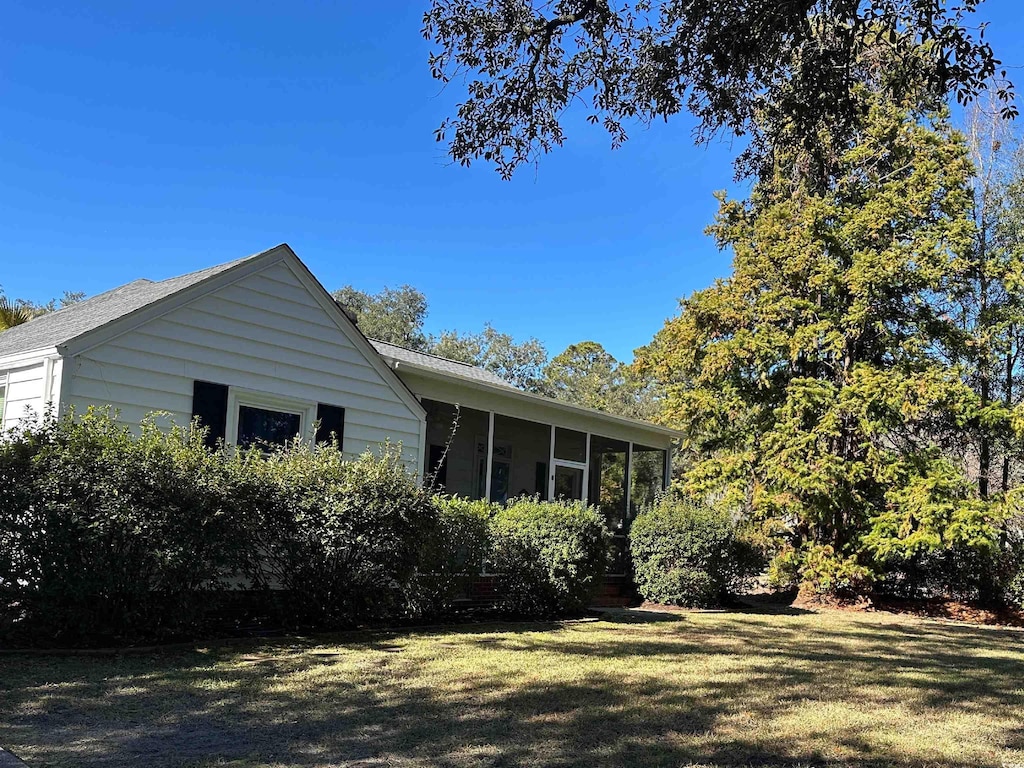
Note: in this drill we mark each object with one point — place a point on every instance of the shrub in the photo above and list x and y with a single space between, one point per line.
784 570
108 536
551 555
687 554
1014 591
823 572
454 553
1010 569
342 539
934 538
681 586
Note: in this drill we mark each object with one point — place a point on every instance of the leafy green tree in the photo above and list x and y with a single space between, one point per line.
587 374
809 383
519 363
17 311
464 347
394 315
737 66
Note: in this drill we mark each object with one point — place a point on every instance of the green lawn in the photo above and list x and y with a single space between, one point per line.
656 690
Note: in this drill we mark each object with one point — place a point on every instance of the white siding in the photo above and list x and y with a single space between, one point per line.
25 393
264 333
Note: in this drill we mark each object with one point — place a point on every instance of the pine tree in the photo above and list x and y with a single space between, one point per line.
812 383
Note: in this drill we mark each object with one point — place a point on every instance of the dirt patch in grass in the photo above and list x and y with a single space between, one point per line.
951 610
937 608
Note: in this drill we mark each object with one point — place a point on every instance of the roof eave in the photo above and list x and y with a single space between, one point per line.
532 398
14 358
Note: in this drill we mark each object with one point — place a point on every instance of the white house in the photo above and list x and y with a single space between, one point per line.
258 350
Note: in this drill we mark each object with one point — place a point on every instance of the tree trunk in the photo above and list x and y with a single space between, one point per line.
1008 402
985 446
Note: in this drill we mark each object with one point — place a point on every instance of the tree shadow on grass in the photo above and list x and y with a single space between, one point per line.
733 691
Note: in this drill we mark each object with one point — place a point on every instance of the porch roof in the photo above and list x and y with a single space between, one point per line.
427 379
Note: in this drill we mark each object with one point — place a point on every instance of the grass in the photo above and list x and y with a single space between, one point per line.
827 688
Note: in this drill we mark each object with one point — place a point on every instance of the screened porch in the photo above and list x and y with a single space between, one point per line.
489 455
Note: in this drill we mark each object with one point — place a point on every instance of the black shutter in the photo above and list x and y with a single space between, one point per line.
210 405
332 421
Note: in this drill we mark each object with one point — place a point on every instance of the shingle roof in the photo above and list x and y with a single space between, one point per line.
71 322
442 364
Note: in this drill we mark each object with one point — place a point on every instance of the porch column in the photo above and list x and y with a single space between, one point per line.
551 467
628 475
667 478
490 455
586 472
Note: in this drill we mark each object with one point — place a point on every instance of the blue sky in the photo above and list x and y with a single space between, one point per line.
148 140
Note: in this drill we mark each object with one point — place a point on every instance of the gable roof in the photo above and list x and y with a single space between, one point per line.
80 326
441 364
68 323
106 315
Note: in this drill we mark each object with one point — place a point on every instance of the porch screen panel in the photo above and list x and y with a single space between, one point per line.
648 477
570 445
521 451
608 492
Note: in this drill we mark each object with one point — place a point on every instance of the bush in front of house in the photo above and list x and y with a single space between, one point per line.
454 554
550 555
341 541
109 537
687 554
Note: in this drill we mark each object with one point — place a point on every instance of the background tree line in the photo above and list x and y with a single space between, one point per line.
584 373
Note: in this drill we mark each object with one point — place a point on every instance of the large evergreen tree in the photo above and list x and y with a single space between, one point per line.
811 383
587 374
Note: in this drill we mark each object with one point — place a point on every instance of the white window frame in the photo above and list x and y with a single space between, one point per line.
3 402
304 409
569 464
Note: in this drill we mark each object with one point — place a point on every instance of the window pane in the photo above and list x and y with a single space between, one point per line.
258 425
570 445
568 483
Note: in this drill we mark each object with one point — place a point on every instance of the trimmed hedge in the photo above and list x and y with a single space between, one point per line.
551 556
455 552
687 554
109 537
341 541
547 557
